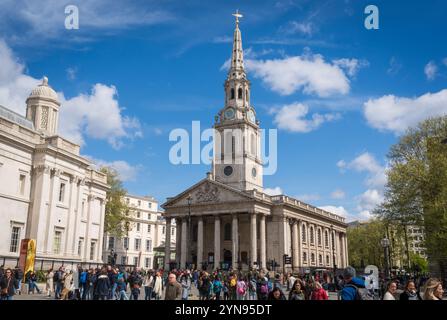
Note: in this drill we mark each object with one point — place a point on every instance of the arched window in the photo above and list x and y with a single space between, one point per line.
246 95
327 260
312 257
326 239
303 232
232 94
320 260
304 257
319 237
312 239
239 93
227 232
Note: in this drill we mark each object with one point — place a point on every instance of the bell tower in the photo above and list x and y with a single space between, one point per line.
237 157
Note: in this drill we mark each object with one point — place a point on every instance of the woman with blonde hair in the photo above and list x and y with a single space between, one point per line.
49 286
433 290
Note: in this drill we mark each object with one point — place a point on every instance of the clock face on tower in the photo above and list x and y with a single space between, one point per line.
228 171
229 113
251 116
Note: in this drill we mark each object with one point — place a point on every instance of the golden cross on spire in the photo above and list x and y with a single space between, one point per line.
237 15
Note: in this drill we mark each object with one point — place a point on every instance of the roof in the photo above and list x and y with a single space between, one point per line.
44 90
15 117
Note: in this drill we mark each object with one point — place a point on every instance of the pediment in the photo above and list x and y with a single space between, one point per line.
207 192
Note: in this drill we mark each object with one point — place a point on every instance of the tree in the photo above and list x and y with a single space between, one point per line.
416 191
117 212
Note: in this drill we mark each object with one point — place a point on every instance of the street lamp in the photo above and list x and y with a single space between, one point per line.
189 199
385 244
127 237
333 252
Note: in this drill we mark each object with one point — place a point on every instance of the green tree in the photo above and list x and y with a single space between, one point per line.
117 215
416 192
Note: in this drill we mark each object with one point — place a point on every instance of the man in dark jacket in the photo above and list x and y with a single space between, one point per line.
173 288
102 286
18 274
8 285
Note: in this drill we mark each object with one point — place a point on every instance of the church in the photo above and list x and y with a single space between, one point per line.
48 191
227 221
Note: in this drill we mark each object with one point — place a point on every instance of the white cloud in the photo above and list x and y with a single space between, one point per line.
369 200
338 194
293 118
223 39
341 211
96 115
367 163
397 114
294 27
308 197
351 66
395 66
71 73
273 192
431 70
126 171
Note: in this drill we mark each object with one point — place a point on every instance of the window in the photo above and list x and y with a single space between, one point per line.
22 180
62 192
326 239
135 261
311 235
232 94
150 207
172 231
253 145
320 259
148 245
126 243
164 230
139 202
138 214
312 257
80 245
111 243
227 232
246 94
303 232
137 244
147 263
327 260
127 200
57 242
138 227
15 237
319 237
82 209
92 250
149 228
239 93
124 260
304 257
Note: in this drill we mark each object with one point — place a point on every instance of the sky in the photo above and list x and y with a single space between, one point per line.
339 94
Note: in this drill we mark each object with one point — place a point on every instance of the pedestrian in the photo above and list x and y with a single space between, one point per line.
148 284
217 287
390 291
262 288
173 288
67 282
241 289
121 288
276 294
49 283
18 274
33 283
135 282
297 293
8 285
58 281
185 281
102 286
354 288
158 286
410 292
433 290
318 293
252 288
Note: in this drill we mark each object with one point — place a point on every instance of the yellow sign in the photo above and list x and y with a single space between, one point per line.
30 256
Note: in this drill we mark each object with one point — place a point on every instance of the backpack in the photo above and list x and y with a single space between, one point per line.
233 282
361 293
217 286
241 289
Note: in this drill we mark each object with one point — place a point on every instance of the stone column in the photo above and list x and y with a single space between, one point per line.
54 199
217 246
262 244
167 243
184 248
87 236
101 229
346 250
178 240
199 243
235 242
295 251
253 240
300 244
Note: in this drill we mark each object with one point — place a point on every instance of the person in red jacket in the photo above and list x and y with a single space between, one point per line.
319 293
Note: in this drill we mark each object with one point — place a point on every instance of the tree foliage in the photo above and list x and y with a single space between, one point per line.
117 211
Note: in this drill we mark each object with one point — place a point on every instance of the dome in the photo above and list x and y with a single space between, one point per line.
43 90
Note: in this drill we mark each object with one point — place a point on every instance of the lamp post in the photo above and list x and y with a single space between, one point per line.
385 244
333 252
189 199
127 237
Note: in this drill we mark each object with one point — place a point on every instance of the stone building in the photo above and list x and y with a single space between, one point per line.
226 220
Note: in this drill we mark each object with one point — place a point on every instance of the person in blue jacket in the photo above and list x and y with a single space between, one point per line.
351 284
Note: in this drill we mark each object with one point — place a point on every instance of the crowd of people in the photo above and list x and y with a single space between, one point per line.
118 283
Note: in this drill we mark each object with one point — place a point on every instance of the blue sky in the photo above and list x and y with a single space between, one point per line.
135 70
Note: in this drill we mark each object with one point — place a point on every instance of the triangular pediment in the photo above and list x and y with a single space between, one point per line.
207 192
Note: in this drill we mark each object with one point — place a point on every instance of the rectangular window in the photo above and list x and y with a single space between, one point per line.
135 261
147 263
149 228
172 231
15 237
57 242
138 227
83 211
92 250
150 205
138 214
148 245
137 244
62 192
126 243
123 260
164 230
139 203
111 243
148 216
22 181
80 245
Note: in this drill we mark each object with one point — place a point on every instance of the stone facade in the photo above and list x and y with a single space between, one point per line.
48 192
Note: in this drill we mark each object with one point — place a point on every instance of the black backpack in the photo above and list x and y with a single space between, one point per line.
361 293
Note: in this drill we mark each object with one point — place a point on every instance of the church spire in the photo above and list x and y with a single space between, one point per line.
237 58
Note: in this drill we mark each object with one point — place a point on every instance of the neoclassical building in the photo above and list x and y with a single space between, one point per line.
48 192
146 232
227 220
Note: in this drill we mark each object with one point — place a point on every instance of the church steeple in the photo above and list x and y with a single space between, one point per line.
237 69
